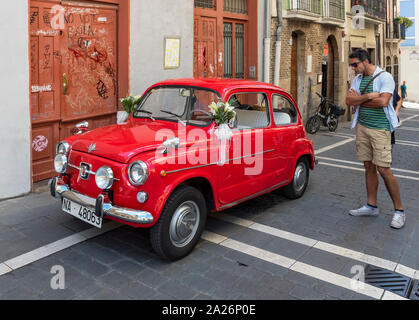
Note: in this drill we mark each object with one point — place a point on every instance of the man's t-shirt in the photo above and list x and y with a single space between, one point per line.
374 118
403 88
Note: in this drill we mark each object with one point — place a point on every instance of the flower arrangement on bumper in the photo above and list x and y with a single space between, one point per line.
128 105
223 114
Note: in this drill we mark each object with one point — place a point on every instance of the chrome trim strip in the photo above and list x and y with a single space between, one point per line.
214 163
126 214
253 195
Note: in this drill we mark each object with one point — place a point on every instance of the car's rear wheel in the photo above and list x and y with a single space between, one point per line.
299 183
180 225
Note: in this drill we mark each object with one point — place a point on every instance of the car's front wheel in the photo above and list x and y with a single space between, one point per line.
180 225
299 181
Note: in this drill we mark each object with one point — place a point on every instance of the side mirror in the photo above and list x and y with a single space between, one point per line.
81 127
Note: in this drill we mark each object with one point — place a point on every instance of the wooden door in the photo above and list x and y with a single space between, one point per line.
89 52
205 48
45 89
73 75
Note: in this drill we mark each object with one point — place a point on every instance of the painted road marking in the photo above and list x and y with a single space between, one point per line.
313 243
361 164
332 146
303 268
54 247
359 169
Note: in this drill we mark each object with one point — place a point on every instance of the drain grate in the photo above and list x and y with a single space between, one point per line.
387 280
415 291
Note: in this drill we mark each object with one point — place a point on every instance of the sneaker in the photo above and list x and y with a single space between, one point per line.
398 221
364 211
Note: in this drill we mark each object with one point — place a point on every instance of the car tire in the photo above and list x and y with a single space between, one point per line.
299 182
180 225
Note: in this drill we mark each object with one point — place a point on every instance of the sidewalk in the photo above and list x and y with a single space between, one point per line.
410 105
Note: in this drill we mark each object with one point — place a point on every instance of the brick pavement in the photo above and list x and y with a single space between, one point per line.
121 264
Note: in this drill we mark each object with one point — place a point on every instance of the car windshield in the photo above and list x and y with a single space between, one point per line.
185 104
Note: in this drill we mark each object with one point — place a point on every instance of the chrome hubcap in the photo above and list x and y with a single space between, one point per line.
300 176
184 224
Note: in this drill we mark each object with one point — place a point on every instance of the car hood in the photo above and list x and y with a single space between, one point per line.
121 142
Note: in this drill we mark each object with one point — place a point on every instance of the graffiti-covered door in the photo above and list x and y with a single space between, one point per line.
45 89
88 71
73 63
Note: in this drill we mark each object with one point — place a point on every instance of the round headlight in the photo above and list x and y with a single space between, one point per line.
138 173
62 147
104 177
60 163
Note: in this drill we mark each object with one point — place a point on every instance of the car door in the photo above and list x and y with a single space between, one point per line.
285 132
251 151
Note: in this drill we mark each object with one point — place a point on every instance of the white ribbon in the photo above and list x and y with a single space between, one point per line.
223 133
121 117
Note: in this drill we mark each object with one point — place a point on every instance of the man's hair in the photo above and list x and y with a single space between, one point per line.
360 54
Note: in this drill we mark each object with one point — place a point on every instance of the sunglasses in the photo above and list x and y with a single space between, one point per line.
355 64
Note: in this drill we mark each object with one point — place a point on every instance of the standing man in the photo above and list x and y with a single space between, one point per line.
374 119
403 89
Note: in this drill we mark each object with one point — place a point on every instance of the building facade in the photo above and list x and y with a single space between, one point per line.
394 35
410 50
307 51
71 61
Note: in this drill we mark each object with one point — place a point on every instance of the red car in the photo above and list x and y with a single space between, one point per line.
165 168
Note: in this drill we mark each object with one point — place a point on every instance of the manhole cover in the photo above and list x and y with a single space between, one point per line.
414 295
387 280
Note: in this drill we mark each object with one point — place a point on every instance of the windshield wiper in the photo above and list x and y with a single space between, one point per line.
148 112
175 115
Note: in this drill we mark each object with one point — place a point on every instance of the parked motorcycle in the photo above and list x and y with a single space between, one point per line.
327 114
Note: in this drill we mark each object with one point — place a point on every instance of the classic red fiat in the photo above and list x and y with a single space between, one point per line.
167 166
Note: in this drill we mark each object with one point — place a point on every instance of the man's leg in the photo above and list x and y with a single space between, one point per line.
392 186
371 182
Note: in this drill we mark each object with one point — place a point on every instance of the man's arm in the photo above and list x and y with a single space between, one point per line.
380 102
355 99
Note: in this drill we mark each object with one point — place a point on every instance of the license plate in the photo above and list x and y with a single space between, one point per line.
83 213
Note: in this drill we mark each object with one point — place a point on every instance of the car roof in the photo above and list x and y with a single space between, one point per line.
220 85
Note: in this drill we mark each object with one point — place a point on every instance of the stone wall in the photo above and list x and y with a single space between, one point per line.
313 38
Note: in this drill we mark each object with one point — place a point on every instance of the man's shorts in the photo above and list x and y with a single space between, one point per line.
373 145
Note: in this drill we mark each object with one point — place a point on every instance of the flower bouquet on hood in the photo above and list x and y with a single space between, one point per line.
223 114
128 105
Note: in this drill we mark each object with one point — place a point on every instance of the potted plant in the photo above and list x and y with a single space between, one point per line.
128 105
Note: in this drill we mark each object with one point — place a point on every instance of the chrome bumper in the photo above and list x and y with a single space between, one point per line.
130 215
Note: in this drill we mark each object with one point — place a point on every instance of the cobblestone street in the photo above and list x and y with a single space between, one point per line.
270 247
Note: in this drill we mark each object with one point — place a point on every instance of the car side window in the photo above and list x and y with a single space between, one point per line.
283 110
252 110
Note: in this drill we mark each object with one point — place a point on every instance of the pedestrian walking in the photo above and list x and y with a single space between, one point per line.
403 89
374 119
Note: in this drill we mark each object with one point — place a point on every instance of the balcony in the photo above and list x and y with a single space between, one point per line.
375 9
334 12
307 10
397 33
